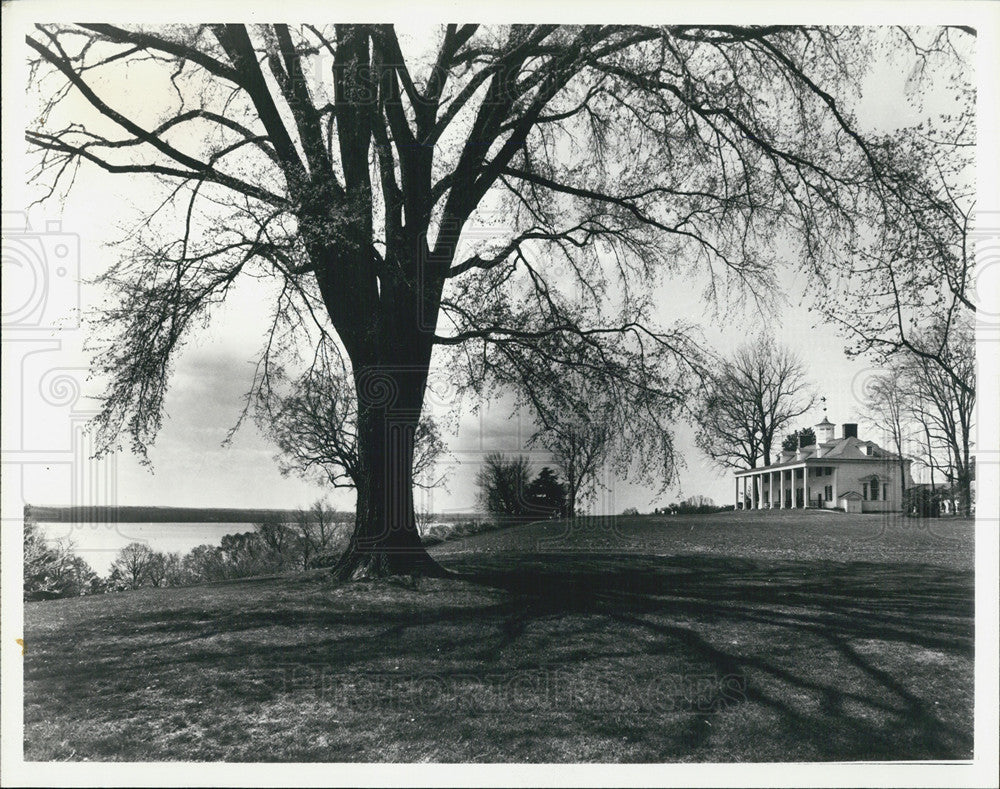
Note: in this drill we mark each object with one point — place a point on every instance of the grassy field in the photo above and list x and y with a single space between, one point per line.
732 637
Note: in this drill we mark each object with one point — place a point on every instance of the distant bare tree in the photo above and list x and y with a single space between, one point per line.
315 427
156 568
279 543
888 407
425 519
944 400
243 554
751 397
580 444
503 485
177 574
132 563
316 531
615 418
206 563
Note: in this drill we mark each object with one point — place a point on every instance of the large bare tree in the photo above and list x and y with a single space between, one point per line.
749 399
510 193
888 407
942 399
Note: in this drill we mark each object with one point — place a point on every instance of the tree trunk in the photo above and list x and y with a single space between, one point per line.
572 489
387 326
930 465
965 472
964 484
385 541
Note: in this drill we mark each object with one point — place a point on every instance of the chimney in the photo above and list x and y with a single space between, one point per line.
850 429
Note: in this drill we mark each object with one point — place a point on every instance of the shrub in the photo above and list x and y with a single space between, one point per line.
325 558
53 570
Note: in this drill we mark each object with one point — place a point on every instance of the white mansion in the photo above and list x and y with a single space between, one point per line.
845 473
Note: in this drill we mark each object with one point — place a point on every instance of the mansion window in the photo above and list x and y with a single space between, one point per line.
871 488
828 492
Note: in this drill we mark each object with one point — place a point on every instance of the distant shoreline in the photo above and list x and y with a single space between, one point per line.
139 514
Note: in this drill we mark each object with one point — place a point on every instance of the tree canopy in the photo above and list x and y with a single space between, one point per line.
805 437
512 194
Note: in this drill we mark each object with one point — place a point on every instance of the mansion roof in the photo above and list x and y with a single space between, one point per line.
849 448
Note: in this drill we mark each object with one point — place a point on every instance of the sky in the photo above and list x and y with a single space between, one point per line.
191 465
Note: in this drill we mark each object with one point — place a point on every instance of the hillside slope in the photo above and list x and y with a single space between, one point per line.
738 640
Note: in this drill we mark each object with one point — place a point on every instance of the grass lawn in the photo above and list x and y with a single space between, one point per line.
734 637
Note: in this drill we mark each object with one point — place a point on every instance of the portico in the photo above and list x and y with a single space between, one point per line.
788 486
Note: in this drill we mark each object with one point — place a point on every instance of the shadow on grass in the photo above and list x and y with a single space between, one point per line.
906 607
824 650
